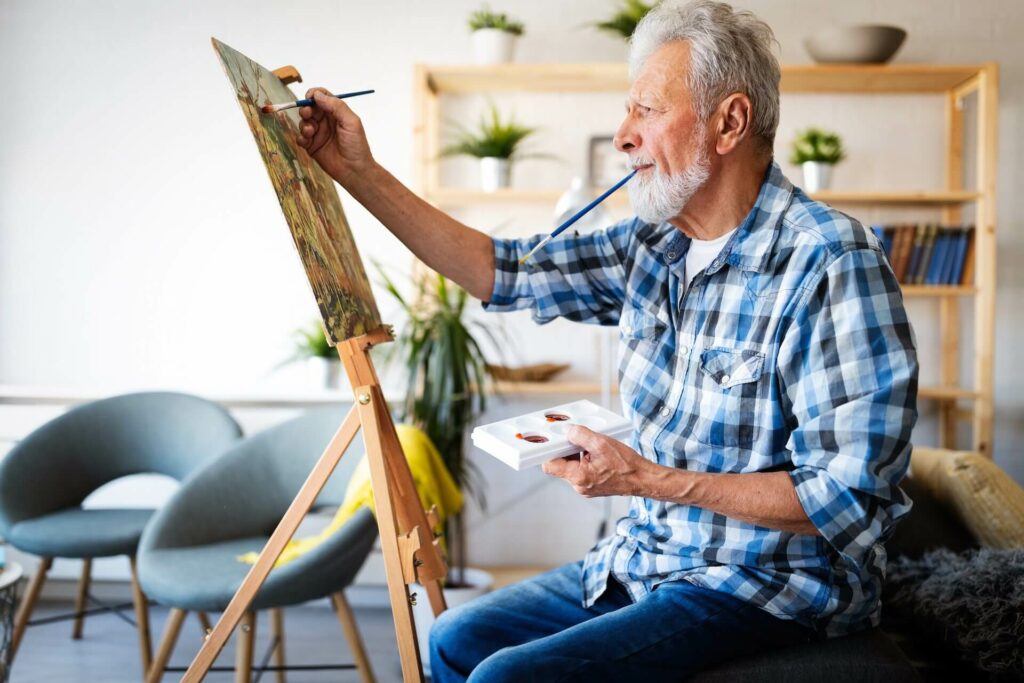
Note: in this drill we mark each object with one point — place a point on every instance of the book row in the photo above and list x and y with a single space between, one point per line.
929 254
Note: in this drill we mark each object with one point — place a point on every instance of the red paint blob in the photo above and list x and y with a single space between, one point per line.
532 438
556 417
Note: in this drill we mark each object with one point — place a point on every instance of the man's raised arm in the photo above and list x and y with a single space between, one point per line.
334 136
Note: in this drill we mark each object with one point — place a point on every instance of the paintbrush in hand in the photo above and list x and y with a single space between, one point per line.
271 108
578 215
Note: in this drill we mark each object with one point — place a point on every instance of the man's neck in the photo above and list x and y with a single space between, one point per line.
724 201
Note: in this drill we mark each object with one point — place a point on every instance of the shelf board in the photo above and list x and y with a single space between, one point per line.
947 393
613 77
454 196
919 198
939 290
938 393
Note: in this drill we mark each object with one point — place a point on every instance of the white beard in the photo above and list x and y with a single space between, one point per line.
658 197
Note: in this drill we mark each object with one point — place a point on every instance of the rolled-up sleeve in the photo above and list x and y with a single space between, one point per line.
579 277
848 368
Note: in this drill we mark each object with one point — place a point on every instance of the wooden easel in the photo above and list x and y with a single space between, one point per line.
411 552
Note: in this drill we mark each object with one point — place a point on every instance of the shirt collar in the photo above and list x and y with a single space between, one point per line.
750 247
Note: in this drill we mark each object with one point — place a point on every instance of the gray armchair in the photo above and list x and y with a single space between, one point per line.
45 478
188 556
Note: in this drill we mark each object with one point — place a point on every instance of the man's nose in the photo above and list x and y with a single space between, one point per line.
626 137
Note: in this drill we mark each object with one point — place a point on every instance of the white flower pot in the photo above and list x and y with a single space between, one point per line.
479 581
817 175
329 370
493 46
495 173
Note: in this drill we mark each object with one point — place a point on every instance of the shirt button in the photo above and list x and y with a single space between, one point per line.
671 256
628 329
725 379
683 350
665 412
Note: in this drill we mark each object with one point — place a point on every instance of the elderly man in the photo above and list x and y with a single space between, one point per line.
766 362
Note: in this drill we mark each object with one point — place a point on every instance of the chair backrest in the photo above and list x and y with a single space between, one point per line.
246 490
59 464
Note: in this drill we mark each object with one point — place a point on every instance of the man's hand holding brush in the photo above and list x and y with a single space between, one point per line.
333 135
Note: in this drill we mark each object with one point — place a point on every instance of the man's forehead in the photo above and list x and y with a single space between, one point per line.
663 74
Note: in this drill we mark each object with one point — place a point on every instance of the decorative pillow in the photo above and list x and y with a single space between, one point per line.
974 602
986 499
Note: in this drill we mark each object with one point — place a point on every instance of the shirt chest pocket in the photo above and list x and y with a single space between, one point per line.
729 393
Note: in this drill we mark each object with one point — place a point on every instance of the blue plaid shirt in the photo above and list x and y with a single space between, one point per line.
790 352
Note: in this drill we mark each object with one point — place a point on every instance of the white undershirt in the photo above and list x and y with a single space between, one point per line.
702 253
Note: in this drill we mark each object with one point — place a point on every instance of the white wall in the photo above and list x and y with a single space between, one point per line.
141 244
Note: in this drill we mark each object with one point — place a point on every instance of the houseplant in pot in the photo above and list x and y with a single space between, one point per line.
816 151
625 19
494 36
495 142
445 394
311 345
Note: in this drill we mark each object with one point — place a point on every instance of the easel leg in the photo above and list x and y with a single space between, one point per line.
278 540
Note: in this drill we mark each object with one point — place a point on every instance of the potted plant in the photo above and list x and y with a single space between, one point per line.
496 144
445 394
311 343
816 151
625 19
494 36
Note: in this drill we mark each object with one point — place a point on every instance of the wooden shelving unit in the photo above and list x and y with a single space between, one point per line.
955 82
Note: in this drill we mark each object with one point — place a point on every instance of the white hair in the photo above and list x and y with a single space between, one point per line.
730 51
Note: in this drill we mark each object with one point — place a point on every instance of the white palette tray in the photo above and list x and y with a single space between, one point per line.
537 437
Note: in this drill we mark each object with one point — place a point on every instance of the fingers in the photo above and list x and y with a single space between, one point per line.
584 437
560 467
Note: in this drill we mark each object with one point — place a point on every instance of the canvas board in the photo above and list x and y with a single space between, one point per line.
309 200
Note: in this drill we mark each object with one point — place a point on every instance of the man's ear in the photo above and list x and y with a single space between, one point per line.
734 122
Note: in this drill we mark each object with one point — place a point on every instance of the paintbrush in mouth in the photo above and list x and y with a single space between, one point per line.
578 215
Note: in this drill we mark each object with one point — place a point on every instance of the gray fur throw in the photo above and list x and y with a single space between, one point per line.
973 600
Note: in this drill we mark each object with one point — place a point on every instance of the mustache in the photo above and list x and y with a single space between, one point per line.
639 161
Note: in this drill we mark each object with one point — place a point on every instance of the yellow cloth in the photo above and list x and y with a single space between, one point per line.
433 483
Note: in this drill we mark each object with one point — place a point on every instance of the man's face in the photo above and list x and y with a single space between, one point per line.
663 136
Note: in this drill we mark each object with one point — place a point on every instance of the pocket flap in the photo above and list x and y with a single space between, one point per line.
729 367
638 324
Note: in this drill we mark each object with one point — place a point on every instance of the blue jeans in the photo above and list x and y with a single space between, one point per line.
537 630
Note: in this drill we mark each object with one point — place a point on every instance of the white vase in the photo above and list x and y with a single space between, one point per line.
495 173
479 581
332 373
817 175
493 46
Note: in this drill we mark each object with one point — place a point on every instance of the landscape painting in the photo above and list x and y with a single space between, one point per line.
309 200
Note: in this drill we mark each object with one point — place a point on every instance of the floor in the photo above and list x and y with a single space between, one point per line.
109 652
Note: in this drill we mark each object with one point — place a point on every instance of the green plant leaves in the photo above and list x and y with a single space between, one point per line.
814 144
492 138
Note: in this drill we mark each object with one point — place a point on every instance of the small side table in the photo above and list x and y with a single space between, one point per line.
10 579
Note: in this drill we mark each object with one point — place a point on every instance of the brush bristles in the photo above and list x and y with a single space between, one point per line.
271 108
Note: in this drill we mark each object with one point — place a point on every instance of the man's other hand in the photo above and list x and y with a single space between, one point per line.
606 466
333 135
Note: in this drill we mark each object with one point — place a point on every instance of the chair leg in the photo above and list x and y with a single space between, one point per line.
244 647
141 619
81 600
355 641
277 631
163 652
204 622
28 603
